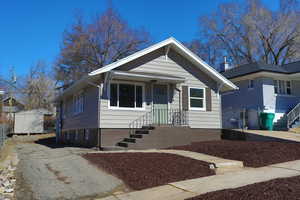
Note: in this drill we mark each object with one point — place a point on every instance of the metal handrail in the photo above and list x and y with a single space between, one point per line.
159 117
293 115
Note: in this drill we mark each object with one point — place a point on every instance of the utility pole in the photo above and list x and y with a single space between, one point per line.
12 83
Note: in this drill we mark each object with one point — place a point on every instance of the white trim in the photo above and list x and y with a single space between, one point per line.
204 98
149 76
179 47
143 108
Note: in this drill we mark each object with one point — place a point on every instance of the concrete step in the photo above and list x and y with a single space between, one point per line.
122 144
142 131
148 127
136 136
129 140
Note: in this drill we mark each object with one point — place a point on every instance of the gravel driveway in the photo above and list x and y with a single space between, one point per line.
60 173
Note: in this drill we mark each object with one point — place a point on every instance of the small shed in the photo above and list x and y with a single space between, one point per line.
32 121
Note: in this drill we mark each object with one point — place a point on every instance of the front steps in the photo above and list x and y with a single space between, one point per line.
159 137
281 124
139 134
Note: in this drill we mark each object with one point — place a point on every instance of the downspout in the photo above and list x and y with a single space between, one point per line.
220 104
99 139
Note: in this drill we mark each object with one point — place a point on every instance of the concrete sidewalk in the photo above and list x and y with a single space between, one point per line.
283 135
217 162
190 188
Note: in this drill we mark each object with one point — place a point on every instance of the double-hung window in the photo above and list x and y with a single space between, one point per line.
250 84
197 98
78 103
126 95
282 87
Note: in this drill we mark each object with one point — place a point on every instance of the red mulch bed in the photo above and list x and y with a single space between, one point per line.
277 189
253 154
145 170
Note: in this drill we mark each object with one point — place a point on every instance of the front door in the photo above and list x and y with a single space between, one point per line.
160 104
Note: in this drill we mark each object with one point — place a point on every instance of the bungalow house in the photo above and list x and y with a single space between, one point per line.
262 87
161 96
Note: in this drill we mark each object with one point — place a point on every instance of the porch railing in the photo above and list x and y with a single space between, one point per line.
160 117
293 115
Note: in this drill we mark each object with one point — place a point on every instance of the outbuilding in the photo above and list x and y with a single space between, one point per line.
33 121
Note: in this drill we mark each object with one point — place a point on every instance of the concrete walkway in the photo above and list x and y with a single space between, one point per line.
190 188
215 161
284 135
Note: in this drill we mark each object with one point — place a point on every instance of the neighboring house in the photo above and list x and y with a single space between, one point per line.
263 87
10 107
163 85
33 121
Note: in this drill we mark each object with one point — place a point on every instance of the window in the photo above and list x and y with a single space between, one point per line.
288 87
250 84
123 95
197 98
282 87
87 133
78 103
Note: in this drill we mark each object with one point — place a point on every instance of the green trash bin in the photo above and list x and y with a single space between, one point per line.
267 121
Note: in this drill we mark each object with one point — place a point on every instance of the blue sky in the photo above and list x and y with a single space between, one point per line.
31 30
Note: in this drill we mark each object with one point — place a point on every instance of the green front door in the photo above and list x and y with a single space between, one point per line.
160 104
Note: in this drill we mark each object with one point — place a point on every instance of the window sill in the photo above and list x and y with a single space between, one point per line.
197 109
127 109
284 95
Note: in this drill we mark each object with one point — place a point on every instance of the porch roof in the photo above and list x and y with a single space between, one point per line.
142 76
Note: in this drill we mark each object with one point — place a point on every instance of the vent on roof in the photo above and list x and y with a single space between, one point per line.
225 65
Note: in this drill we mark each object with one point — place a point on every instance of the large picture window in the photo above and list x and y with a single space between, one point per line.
197 98
123 95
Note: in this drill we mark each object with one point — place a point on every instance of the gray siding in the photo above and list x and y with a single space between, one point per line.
115 118
176 66
88 118
244 97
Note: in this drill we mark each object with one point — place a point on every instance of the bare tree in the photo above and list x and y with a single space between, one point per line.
207 51
251 32
37 89
89 46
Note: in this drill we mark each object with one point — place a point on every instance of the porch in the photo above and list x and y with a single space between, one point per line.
149 99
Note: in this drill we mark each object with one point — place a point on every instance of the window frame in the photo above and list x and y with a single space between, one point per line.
78 103
127 108
250 84
204 98
285 88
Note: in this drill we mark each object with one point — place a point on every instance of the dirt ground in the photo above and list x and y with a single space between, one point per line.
145 170
253 154
49 171
277 189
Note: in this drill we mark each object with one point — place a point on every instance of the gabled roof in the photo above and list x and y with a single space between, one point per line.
172 43
246 69
181 49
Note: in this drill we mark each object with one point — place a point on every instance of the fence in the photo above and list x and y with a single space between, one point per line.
3 134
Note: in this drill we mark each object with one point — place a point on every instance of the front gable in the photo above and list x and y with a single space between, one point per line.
173 64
